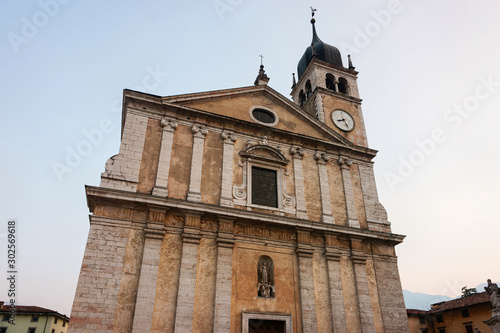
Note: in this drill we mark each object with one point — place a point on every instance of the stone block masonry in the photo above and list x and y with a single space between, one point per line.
96 300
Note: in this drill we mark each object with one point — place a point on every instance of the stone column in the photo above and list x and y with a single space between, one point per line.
199 134
161 188
146 291
364 300
345 167
336 83
333 256
306 282
298 171
225 244
321 159
226 196
187 280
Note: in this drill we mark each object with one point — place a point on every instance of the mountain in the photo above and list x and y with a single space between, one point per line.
422 301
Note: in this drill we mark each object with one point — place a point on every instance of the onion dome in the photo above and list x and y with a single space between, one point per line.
319 50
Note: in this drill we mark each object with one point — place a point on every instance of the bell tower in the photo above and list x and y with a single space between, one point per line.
328 90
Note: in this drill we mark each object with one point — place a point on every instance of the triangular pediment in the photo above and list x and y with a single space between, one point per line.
238 104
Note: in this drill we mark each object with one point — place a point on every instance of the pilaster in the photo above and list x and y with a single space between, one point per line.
326 207
226 198
333 255
199 134
362 289
223 287
187 280
154 231
345 167
307 297
298 154
161 184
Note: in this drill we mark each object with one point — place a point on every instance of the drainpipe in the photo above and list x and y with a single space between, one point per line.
46 319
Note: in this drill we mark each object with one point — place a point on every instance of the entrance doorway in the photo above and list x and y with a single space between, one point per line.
266 326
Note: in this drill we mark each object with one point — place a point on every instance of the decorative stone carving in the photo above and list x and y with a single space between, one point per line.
288 201
228 137
199 131
297 151
494 321
240 192
265 286
169 124
321 157
264 141
492 290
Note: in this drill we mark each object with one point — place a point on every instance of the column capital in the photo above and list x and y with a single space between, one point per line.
304 251
358 257
321 157
199 131
169 124
297 152
228 137
344 162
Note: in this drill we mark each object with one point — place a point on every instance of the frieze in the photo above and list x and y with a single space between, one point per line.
174 221
279 235
208 225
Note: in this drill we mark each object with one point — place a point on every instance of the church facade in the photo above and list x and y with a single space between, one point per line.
241 210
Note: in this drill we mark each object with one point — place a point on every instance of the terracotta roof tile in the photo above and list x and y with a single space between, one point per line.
473 299
29 309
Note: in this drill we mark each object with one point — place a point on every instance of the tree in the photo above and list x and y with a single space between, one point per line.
468 291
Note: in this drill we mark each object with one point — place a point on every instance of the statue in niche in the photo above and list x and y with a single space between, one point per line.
492 290
265 272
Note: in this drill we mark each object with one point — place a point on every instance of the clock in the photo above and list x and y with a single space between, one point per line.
343 120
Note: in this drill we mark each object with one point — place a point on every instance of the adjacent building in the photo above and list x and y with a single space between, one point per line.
240 210
31 319
465 314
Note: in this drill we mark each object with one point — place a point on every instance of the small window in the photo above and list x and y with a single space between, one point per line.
34 318
422 320
468 329
55 320
264 187
64 323
32 330
442 330
439 318
3 329
264 116
465 313
54 330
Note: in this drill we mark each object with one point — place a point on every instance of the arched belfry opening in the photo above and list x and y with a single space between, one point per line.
330 82
343 86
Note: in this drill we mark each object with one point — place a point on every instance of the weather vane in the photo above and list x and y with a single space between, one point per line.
312 11
261 58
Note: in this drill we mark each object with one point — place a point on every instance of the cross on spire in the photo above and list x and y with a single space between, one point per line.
261 59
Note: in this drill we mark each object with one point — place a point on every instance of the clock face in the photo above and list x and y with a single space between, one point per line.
343 120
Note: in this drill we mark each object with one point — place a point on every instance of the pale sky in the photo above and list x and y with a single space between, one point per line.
429 75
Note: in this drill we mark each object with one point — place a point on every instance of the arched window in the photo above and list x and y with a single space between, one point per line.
330 82
265 277
302 98
308 89
343 86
